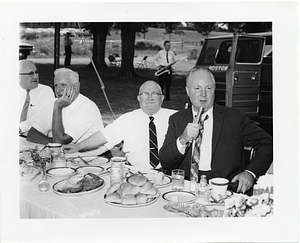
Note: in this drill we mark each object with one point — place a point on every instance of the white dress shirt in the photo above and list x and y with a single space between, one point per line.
161 60
206 143
133 129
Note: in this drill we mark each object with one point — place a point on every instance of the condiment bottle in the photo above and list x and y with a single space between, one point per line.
116 170
203 191
58 157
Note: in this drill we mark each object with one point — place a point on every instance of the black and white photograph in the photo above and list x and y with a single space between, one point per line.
135 126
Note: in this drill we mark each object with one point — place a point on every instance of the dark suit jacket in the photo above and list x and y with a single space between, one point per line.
231 132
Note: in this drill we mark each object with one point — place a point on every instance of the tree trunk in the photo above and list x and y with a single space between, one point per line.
100 31
128 31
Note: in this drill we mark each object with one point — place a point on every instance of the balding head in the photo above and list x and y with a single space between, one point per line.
28 75
150 97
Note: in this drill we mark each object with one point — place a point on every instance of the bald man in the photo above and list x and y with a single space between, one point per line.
71 118
31 92
133 128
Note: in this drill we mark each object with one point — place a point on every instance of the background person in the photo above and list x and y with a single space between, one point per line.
68 49
32 95
72 117
226 132
133 128
162 59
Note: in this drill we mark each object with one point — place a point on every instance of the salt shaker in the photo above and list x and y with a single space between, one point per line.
203 191
116 170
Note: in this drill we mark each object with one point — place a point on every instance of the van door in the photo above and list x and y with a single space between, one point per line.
244 74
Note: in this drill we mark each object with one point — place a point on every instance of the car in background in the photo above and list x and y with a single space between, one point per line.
25 50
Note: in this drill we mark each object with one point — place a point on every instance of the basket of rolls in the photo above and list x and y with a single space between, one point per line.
136 191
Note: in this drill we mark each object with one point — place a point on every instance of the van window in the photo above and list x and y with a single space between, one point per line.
248 51
223 54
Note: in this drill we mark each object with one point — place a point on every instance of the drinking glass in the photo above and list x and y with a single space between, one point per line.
177 179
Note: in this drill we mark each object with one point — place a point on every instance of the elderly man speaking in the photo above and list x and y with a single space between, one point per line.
142 130
72 117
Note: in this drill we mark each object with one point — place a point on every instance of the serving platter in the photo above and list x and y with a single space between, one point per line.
149 201
91 160
60 185
166 182
179 196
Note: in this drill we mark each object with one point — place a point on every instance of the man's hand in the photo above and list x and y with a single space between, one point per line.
190 132
245 180
67 98
71 148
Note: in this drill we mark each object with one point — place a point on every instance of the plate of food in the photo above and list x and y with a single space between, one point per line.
97 170
90 160
196 210
78 185
159 179
179 196
137 191
61 172
218 199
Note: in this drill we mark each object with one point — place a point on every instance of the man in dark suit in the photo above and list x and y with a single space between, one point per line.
226 132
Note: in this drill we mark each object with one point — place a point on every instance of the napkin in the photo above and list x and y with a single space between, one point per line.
82 207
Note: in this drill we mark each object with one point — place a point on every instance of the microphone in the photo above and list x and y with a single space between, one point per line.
197 121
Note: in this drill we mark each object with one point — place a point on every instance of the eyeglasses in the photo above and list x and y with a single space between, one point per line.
146 94
32 73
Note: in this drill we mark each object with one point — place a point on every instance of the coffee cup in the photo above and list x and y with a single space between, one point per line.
219 186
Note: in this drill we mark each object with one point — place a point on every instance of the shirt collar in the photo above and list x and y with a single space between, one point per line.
209 112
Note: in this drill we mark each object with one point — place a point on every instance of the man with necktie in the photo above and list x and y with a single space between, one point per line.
162 59
225 132
142 130
32 94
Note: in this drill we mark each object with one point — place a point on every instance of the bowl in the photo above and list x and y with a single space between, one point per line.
61 172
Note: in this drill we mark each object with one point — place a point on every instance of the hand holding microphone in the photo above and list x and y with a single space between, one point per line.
191 131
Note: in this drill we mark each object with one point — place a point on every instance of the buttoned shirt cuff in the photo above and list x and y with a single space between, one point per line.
254 176
180 147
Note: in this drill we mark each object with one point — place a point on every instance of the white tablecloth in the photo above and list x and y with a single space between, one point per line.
36 204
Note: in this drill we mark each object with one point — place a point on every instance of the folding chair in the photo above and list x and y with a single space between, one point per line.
142 63
113 63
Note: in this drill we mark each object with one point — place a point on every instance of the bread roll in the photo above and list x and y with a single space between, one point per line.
133 190
129 200
113 188
152 191
146 187
124 188
141 198
137 180
113 197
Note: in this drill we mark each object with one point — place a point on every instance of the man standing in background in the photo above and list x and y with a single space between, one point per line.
68 50
162 60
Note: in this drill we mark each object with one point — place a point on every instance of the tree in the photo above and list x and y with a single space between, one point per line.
100 32
248 27
202 27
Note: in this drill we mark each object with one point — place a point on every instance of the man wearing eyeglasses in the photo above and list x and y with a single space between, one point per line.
134 129
31 94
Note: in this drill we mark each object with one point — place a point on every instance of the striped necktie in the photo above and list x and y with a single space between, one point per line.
25 107
154 160
196 151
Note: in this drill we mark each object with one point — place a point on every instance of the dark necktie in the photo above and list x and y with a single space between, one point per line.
154 160
196 151
25 107
167 57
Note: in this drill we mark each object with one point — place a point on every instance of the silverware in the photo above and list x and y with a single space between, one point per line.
84 161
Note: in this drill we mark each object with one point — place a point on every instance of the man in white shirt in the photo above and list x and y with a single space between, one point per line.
32 95
72 117
133 128
163 59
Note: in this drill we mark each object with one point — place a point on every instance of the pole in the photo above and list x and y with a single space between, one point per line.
56 45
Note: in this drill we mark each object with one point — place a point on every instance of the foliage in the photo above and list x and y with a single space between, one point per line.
147 45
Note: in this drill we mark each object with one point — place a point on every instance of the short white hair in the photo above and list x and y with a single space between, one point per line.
200 69
72 75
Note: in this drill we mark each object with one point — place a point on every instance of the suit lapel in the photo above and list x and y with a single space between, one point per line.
217 126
